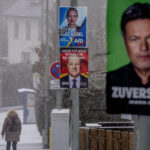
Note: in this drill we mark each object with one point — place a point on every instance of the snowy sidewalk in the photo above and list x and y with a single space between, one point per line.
30 138
25 147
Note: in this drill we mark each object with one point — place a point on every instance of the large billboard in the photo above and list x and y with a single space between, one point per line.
72 26
128 60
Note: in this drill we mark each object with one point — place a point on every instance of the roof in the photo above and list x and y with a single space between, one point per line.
23 90
25 8
5 4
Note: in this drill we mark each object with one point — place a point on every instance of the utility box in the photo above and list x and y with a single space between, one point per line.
60 119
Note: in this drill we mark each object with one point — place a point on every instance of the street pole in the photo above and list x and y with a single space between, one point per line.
1 97
46 141
74 2
75 119
142 136
43 6
59 92
75 109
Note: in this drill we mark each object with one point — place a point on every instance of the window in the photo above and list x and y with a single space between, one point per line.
16 30
28 30
26 58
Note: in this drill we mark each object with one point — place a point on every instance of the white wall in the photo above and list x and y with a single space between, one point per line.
17 46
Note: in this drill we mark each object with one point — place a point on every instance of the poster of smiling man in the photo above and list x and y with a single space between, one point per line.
74 68
72 26
128 60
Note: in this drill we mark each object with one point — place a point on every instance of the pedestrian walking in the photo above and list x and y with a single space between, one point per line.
11 129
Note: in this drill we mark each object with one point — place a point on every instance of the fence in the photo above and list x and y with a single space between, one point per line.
107 136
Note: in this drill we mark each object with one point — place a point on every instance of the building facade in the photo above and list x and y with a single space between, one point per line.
23 21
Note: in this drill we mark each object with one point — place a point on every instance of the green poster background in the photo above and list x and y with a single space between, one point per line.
117 55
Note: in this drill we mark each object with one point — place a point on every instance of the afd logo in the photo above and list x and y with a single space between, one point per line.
78 41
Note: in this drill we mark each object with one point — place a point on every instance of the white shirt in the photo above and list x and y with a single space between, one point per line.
77 81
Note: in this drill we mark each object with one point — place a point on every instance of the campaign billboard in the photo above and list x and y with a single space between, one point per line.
74 68
128 59
72 26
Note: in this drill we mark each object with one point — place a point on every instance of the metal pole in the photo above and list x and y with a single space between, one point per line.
46 144
1 97
42 21
59 92
74 2
75 109
59 99
142 136
75 119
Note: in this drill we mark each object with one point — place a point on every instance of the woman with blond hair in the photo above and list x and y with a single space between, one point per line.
11 129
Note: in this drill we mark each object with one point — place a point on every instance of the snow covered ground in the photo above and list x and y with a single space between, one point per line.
29 135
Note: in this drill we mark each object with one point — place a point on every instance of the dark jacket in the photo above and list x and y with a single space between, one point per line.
125 76
125 92
12 127
64 82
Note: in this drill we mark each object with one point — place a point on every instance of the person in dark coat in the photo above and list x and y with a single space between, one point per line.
11 129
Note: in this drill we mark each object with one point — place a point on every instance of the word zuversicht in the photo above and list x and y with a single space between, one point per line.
130 92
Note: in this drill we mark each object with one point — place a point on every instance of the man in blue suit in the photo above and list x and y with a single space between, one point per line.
74 79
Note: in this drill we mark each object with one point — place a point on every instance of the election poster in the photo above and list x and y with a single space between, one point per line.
72 26
128 59
74 68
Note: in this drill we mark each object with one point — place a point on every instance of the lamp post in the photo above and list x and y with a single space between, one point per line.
59 92
46 133
75 109
1 97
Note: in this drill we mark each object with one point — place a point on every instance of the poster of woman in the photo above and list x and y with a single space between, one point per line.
72 26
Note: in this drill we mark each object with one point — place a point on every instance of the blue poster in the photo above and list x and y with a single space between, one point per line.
72 26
